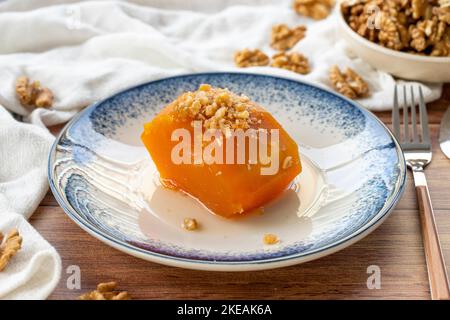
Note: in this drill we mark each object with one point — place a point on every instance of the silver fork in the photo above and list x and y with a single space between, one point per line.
417 151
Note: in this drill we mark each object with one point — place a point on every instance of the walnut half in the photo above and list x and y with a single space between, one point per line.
316 9
251 58
349 83
106 291
294 61
283 38
31 94
9 246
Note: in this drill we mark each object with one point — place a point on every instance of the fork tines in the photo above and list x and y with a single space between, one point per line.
416 140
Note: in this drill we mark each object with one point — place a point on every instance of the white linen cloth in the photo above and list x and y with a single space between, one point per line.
87 50
35 270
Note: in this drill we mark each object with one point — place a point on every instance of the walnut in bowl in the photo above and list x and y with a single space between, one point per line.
409 39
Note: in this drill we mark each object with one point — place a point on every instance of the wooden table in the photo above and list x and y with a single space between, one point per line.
396 247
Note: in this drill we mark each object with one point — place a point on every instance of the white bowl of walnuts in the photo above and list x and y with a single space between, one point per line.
409 39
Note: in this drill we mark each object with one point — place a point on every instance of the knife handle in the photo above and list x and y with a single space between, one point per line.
437 273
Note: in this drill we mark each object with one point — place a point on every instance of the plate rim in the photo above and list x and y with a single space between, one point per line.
259 264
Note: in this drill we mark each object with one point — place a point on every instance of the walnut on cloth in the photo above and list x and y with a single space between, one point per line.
31 94
250 58
106 291
9 246
316 9
295 62
283 38
348 83
413 26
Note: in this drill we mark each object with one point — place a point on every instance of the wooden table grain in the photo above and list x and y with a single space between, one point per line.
395 247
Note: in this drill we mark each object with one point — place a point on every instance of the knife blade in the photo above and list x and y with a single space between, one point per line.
444 134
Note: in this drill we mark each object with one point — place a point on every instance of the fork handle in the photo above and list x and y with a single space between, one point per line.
437 272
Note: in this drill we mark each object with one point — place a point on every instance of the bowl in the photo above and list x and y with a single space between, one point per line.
400 64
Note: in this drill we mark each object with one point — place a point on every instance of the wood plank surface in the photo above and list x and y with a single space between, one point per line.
396 247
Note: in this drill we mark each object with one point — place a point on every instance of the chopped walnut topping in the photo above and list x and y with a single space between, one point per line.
9 246
106 291
413 26
294 61
32 94
283 38
251 58
270 239
349 83
190 224
217 108
316 9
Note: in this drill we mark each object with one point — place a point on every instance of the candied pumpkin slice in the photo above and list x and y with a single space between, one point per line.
246 161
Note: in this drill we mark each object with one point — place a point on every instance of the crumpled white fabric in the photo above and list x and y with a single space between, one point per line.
35 270
87 50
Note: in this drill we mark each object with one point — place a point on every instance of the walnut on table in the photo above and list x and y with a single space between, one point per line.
251 58
9 246
294 61
106 291
348 83
283 38
31 94
316 9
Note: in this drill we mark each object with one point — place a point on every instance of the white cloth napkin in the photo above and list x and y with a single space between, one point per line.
35 269
87 50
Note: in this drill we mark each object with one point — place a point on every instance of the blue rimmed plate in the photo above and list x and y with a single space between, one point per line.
353 175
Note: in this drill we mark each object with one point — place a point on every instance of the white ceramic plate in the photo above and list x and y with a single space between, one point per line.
353 175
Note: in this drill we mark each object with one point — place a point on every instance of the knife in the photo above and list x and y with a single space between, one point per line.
444 134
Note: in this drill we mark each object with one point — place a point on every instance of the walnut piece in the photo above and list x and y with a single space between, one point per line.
250 58
9 246
106 291
392 34
270 239
443 13
294 61
32 94
316 9
283 38
190 224
413 26
349 83
217 108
